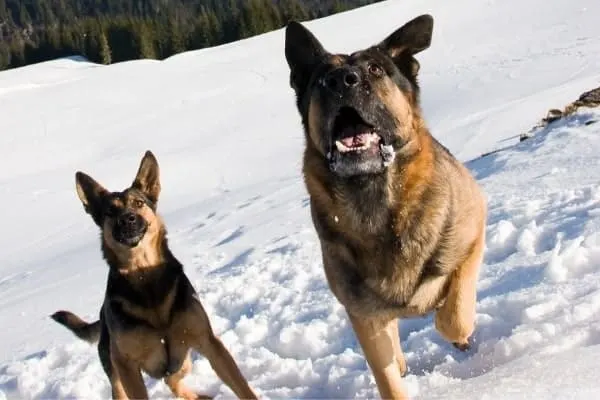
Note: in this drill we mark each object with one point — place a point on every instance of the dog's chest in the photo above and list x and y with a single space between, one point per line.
158 353
372 255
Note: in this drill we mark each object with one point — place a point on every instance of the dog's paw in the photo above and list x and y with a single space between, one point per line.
185 393
463 346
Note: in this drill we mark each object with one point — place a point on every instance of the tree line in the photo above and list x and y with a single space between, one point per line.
109 31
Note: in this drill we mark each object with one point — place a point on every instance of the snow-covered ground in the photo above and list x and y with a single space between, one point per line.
223 125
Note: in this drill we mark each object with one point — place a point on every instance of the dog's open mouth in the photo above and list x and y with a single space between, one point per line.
131 241
356 146
352 134
129 237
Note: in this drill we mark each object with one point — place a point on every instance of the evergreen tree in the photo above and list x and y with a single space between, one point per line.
4 56
48 48
231 22
3 12
53 37
24 17
161 38
144 41
17 52
201 37
176 37
215 28
67 39
46 15
256 17
105 55
293 10
92 43
274 16
337 7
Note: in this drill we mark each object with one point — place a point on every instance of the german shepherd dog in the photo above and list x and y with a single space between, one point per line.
151 316
401 222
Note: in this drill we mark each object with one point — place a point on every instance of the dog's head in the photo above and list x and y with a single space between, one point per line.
126 218
358 109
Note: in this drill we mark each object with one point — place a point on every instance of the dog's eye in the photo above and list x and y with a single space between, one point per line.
138 203
375 69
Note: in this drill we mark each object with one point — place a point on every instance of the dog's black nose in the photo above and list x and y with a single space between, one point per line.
342 79
351 78
127 219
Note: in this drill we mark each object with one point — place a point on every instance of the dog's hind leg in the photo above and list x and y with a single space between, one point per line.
455 319
378 339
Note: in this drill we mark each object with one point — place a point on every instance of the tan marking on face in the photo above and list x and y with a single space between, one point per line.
336 60
414 176
398 104
117 202
147 253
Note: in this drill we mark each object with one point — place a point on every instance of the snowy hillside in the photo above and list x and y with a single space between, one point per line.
223 126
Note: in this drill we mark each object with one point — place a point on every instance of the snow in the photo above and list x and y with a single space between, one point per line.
224 128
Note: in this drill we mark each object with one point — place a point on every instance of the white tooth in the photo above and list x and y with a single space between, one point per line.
341 146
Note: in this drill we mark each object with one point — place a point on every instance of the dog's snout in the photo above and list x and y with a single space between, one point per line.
127 219
342 79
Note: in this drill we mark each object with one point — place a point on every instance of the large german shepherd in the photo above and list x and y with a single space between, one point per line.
151 316
401 222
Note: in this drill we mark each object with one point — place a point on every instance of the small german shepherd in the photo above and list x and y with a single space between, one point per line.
151 316
401 222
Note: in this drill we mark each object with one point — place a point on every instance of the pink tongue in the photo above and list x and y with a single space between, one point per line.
355 136
354 141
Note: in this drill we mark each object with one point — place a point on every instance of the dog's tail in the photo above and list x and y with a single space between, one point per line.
90 332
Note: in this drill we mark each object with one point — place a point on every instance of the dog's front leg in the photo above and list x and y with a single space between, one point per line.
175 382
377 338
126 379
455 320
201 337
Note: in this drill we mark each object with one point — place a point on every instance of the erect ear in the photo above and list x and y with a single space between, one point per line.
91 194
303 53
410 39
147 179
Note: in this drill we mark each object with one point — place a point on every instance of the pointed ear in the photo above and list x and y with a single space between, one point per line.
303 52
91 194
147 179
410 39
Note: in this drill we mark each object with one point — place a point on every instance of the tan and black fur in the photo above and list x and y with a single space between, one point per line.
401 222
151 317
